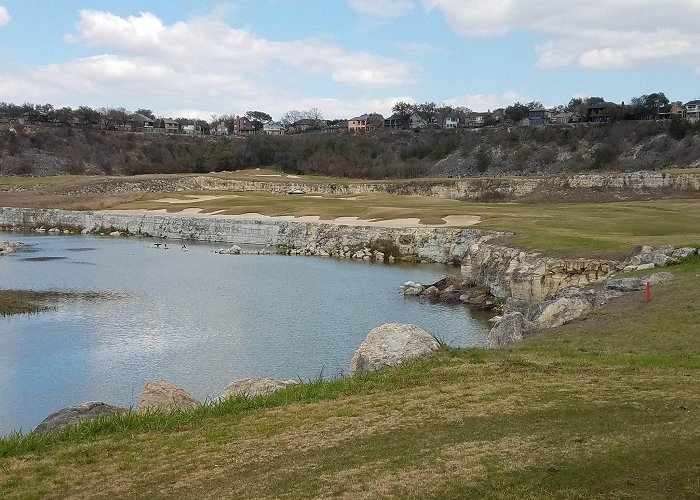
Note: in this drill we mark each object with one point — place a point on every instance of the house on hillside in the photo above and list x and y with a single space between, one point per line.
365 123
565 117
539 116
140 122
601 112
273 128
192 130
220 128
394 121
678 110
450 122
171 127
692 110
475 120
243 126
303 125
418 122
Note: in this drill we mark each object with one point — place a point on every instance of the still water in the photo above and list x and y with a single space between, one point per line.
193 317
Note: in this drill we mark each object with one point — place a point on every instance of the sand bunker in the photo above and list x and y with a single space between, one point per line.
450 220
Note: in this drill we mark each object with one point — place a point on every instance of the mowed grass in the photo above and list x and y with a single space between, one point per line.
607 407
597 230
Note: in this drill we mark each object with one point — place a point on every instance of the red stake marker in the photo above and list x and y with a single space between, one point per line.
648 292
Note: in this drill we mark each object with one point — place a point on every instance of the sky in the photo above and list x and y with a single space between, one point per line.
200 58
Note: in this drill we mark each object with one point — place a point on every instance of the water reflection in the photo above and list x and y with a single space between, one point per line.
196 318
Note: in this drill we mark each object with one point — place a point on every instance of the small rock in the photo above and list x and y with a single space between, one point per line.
252 387
75 414
166 396
115 233
234 250
391 344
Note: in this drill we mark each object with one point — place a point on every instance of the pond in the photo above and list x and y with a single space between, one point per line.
194 317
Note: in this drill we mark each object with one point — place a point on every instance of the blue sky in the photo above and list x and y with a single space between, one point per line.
346 57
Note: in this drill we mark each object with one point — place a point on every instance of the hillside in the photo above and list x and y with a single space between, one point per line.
621 146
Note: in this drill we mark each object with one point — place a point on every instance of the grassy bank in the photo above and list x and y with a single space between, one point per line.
607 407
607 230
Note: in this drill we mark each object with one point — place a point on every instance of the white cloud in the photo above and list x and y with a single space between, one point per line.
595 34
383 8
198 65
4 16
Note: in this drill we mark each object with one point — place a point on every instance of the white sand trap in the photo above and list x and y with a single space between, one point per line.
350 198
450 220
268 175
290 176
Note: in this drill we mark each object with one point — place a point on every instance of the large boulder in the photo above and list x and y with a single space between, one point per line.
166 396
391 344
252 387
562 310
507 330
78 413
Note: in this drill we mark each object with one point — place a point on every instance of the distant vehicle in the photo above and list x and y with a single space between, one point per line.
296 191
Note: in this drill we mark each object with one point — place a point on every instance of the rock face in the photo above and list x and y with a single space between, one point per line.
166 396
432 244
75 414
510 272
8 247
252 387
391 344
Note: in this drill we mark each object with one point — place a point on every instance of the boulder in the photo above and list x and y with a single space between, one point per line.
508 330
234 250
413 291
660 259
432 292
391 344
681 253
252 387
562 310
115 233
75 414
166 396
644 267
626 284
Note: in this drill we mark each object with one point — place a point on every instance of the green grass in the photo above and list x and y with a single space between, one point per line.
596 230
607 407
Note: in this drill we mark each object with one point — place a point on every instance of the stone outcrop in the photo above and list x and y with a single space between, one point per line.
391 344
252 387
510 272
8 247
78 413
166 396
521 316
430 244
